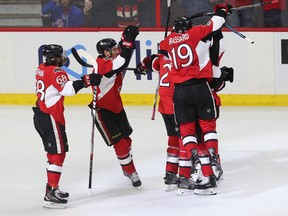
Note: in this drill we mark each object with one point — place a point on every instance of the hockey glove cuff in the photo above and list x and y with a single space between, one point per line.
91 79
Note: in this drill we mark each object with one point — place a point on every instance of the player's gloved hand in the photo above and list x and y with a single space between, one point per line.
129 35
91 79
229 73
143 66
223 10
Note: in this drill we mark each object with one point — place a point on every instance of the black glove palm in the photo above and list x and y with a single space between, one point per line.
130 33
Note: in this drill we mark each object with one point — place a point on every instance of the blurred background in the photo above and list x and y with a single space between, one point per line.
145 13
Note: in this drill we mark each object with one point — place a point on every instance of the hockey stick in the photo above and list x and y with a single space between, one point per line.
232 9
155 100
239 34
86 55
93 64
169 5
251 6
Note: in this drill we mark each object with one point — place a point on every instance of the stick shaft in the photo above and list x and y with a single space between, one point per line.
169 5
238 33
233 9
93 113
250 6
155 102
91 60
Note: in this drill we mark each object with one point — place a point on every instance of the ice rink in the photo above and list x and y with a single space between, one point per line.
253 146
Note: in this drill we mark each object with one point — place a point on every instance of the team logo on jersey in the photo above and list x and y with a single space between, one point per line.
58 70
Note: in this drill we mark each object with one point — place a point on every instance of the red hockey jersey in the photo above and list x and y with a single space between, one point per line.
52 84
162 64
108 92
189 54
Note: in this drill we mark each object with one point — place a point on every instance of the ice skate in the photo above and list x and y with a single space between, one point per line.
185 186
53 199
196 174
62 194
206 186
217 170
171 181
135 179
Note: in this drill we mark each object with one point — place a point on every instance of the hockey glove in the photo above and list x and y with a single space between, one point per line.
229 73
129 35
91 79
143 66
223 10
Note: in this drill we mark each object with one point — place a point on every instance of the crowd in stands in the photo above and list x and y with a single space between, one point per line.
121 13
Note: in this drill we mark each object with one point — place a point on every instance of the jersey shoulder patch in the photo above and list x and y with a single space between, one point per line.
57 69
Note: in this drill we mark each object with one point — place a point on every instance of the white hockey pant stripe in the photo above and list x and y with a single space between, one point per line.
189 139
185 163
125 161
54 168
210 136
172 159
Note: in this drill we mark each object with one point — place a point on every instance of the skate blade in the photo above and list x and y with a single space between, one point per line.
209 191
219 180
184 192
138 187
171 187
52 205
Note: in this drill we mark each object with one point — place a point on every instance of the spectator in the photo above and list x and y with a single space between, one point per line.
62 13
241 18
120 13
272 13
127 13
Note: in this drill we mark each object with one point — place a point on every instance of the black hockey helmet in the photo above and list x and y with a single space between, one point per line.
53 51
182 24
105 44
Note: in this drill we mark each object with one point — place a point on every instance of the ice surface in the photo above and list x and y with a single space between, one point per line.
254 154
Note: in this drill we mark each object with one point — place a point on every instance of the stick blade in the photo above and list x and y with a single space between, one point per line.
79 59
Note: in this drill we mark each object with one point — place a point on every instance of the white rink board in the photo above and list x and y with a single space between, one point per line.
258 69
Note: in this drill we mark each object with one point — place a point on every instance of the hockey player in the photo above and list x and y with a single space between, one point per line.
191 68
52 85
220 76
111 119
177 162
